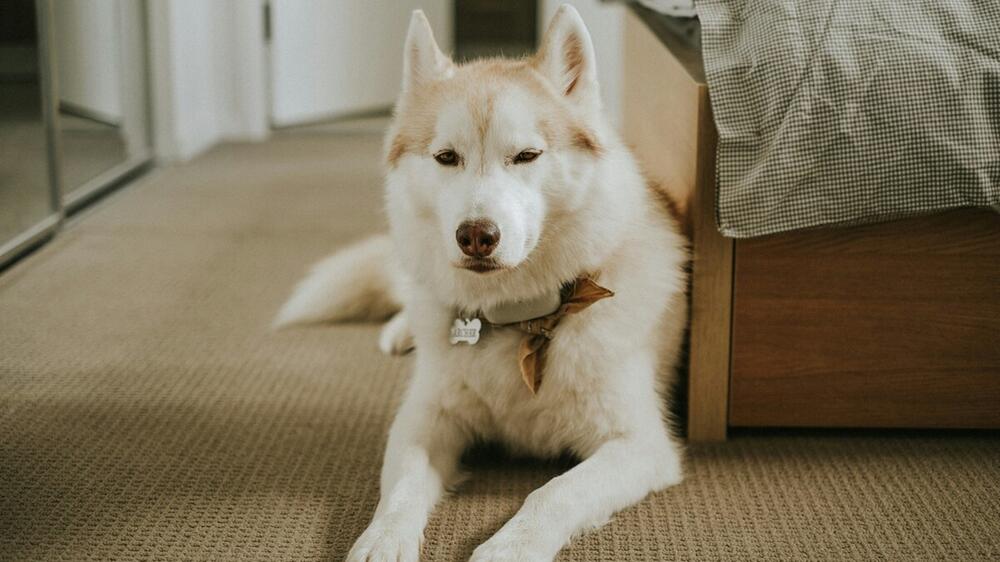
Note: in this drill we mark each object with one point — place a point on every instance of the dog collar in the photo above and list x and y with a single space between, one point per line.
536 318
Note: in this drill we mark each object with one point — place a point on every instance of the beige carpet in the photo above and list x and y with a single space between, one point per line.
146 412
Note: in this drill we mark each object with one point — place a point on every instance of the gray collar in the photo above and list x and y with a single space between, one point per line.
519 311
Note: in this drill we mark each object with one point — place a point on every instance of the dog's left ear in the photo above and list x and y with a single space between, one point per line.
566 56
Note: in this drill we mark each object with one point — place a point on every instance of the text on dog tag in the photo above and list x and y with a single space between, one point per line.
466 331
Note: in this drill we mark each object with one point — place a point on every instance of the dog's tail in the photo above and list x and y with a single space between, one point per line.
356 283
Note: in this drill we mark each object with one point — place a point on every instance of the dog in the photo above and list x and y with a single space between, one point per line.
541 281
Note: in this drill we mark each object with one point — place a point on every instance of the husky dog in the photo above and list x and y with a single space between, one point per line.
507 191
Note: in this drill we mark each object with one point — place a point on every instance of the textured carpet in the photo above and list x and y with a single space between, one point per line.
146 411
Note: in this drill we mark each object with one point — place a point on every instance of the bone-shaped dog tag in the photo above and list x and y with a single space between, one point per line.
467 331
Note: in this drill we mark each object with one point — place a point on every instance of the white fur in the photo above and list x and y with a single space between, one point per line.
396 338
603 395
371 291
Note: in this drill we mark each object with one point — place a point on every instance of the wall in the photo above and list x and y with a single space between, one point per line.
208 74
335 58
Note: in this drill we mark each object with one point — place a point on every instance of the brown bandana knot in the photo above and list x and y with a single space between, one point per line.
538 332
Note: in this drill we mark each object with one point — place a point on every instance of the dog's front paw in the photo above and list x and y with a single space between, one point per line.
396 338
387 542
508 547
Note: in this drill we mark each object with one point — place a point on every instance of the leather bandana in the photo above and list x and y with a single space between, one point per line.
538 332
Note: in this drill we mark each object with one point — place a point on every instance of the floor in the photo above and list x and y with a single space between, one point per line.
148 412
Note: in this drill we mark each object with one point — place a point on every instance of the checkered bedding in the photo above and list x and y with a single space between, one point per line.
848 111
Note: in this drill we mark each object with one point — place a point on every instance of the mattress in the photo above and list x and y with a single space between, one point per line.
840 112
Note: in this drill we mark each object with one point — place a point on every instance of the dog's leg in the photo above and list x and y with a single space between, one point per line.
396 337
421 460
620 473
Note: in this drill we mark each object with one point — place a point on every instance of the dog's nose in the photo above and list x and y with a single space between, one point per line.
477 238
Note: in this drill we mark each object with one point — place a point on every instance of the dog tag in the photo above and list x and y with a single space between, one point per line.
466 331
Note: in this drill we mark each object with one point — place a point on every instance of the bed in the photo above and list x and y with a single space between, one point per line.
836 164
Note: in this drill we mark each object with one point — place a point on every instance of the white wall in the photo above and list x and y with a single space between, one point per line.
605 20
332 58
87 49
208 74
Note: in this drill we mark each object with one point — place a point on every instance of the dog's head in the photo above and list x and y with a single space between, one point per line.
483 156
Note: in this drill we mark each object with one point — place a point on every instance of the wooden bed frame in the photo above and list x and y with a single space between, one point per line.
887 325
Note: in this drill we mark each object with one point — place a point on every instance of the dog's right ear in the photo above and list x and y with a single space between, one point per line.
423 61
566 56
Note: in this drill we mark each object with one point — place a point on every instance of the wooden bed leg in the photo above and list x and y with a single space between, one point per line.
711 296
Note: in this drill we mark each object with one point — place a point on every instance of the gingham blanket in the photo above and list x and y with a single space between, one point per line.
846 111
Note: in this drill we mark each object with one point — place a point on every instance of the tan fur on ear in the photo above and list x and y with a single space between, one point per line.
566 57
573 60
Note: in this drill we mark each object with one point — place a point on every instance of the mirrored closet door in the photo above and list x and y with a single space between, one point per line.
101 89
29 191
74 115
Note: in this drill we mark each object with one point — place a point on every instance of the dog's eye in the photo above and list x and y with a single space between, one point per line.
526 156
447 158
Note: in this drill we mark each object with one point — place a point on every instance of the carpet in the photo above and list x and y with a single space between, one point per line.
147 412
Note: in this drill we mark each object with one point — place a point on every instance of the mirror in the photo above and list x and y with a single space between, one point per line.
100 79
28 206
